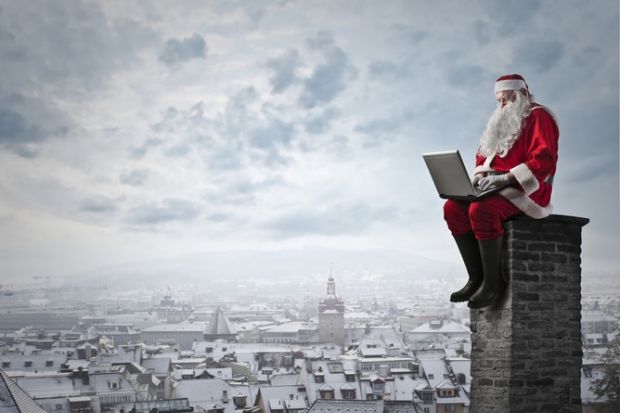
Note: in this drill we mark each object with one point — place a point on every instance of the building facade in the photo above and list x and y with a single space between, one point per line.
331 316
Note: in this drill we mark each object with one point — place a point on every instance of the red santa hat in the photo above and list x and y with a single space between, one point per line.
511 82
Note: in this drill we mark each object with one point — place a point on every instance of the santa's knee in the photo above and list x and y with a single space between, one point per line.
485 222
456 216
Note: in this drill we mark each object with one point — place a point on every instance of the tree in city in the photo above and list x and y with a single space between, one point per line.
608 385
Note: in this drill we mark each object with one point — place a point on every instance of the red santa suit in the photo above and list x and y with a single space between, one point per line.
532 160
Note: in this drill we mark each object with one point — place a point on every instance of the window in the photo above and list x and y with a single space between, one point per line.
327 394
427 410
58 406
27 363
6 364
349 377
319 378
426 396
348 394
239 401
446 393
49 363
431 376
450 407
587 371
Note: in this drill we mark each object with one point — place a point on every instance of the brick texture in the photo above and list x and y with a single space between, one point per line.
526 350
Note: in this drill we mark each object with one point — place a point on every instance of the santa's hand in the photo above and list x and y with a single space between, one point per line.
493 181
476 179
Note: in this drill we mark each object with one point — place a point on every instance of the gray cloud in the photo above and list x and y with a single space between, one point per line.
178 150
592 131
137 177
590 57
22 136
43 48
338 145
512 16
220 217
482 31
242 191
339 219
168 211
15 129
47 58
177 51
98 205
409 34
385 69
140 151
275 134
328 79
284 70
382 130
274 158
237 115
217 140
224 159
588 169
468 76
540 55
320 123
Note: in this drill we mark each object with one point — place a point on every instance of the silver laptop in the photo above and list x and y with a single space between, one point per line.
451 178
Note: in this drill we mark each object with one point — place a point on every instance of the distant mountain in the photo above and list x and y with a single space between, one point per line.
267 266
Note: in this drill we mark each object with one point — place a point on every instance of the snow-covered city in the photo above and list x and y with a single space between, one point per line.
103 349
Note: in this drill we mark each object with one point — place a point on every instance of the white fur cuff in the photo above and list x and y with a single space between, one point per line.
525 203
526 178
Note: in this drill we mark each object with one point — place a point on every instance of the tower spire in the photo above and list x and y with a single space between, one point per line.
331 286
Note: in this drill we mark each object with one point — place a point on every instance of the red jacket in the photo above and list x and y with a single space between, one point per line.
532 159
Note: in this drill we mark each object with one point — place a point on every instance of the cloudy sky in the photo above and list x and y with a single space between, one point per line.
135 131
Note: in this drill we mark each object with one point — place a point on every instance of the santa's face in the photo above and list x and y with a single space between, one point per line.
505 96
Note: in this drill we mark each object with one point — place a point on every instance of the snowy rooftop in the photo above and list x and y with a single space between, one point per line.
446 326
167 328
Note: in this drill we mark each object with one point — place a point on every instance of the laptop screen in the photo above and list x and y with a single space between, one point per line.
449 173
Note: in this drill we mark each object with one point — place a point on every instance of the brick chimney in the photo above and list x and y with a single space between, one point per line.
526 350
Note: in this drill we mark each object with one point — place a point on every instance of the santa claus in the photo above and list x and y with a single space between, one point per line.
518 153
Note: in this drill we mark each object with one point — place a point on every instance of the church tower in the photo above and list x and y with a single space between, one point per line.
331 316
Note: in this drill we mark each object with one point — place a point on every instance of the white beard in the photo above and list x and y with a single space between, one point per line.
504 127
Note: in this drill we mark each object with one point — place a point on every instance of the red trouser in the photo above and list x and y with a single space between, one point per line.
483 217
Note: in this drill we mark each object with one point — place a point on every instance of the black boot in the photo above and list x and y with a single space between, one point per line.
470 252
493 284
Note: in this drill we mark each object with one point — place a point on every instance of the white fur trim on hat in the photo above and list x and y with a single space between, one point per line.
509 84
525 203
526 178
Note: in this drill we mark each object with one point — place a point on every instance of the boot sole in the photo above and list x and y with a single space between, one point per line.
476 305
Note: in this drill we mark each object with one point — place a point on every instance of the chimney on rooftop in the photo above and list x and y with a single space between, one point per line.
526 351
